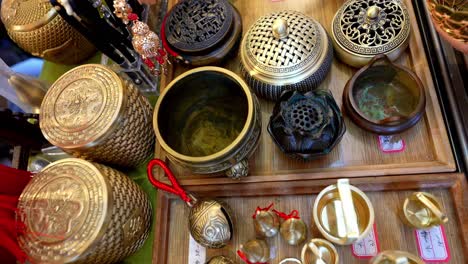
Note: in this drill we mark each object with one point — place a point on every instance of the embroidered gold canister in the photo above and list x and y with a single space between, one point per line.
82 212
91 113
38 29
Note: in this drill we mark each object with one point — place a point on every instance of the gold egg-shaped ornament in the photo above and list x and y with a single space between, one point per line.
254 251
293 230
38 29
210 223
220 260
266 222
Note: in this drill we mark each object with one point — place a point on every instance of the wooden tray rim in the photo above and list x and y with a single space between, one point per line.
455 182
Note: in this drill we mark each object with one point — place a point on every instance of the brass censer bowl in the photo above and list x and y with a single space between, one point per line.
362 29
395 257
343 213
208 121
384 98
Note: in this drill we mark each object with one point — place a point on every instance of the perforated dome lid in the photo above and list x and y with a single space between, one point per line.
371 27
284 48
194 26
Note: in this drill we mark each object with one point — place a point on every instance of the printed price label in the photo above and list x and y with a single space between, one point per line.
197 253
391 144
432 244
367 247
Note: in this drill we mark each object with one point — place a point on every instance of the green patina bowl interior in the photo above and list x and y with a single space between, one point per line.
383 92
202 113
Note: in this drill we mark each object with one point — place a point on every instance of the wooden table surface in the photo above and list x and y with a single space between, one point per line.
427 145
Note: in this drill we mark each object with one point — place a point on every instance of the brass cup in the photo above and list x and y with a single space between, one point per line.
423 210
395 257
343 213
319 251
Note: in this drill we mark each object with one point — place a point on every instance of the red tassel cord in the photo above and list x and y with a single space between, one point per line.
294 214
244 258
175 188
258 210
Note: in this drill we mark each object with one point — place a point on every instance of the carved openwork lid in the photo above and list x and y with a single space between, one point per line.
194 26
64 208
82 106
283 47
371 27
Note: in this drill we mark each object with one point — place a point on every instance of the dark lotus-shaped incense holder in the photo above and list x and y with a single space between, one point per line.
306 125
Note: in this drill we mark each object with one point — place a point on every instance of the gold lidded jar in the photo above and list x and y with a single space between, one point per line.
362 29
91 113
254 251
38 29
285 50
74 211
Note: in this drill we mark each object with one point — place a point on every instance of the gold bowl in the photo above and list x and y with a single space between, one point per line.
395 257
423 210
319 251
208 121
343 213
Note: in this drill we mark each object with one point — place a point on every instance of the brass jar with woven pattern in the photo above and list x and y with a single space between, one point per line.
285 50
91 113
38 29
82 212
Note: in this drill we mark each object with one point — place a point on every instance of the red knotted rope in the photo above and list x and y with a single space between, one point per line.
164 41
175 188
294 214
258 210
244 258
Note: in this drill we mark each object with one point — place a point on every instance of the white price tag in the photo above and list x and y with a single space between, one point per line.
432 244
391 144
197 253
368 246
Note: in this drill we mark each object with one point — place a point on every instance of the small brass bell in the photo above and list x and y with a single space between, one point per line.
209 220
220 260
254 251
266 222
293 229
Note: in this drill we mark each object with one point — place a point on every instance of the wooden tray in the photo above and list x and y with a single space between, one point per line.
428 147
386 193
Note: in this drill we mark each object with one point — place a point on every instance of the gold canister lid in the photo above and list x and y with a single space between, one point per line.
64 209
82 107
423 210
319 251
284 48
365 28
395 257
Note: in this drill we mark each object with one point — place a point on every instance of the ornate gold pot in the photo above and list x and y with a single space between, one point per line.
362 29
208 121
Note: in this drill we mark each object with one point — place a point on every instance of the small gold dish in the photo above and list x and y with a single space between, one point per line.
343 213
423 210
319 251
395 257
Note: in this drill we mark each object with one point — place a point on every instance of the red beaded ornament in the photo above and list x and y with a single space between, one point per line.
144 41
